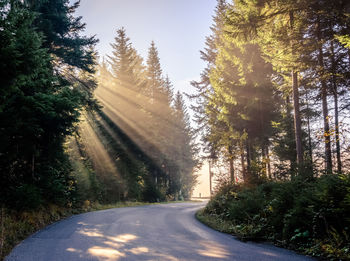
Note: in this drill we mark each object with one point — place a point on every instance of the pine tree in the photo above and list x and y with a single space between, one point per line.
73 55
236 98
46 109
125 63
44 113
208 55
203 101
154 75
158 93
185 149
55 20
327 21
279 31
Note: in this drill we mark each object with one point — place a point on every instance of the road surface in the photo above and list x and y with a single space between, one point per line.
166 232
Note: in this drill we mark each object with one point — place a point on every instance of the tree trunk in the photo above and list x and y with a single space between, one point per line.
291 133
244 174
327 138
297 120
336 109
248 155
337 136
268 164
210 176
263 158
309 129
232 171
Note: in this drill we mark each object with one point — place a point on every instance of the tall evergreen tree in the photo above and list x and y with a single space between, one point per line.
202 104
185 148
45 107
325 22
235 96
126 64
56 21
155 86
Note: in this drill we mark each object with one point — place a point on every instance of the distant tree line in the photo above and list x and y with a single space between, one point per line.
273 100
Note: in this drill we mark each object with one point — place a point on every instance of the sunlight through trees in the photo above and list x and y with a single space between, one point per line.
144 128
270 66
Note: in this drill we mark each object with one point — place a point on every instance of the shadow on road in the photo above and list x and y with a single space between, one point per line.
166 232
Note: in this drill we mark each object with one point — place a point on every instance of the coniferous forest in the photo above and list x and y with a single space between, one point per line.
139 144
271 111
45 69
272 107
75 132
61 142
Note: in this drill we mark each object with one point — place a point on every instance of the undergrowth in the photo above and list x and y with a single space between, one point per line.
312 217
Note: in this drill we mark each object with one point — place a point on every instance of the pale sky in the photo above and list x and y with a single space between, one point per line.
178 27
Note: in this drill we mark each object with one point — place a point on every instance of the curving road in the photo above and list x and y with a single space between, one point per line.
166 232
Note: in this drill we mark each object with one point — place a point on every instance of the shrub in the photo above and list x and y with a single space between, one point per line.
27 196
311 216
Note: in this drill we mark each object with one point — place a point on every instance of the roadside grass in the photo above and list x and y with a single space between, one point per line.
214 222
18 225
225 226
15 226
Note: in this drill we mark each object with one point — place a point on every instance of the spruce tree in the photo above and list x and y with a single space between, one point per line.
125 63
56 21
279 31
32 146
327 22
185 149
155 85
201 100
45 105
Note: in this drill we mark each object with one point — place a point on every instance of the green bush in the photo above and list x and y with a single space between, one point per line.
27 196
310 216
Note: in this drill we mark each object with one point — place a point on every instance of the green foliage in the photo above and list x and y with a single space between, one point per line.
311 216
55 20
128 164
152 194
39 107
266 60
125 63
27 196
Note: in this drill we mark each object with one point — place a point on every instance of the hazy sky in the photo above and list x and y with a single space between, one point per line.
178 27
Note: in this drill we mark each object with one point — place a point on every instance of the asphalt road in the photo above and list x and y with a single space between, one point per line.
158 232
